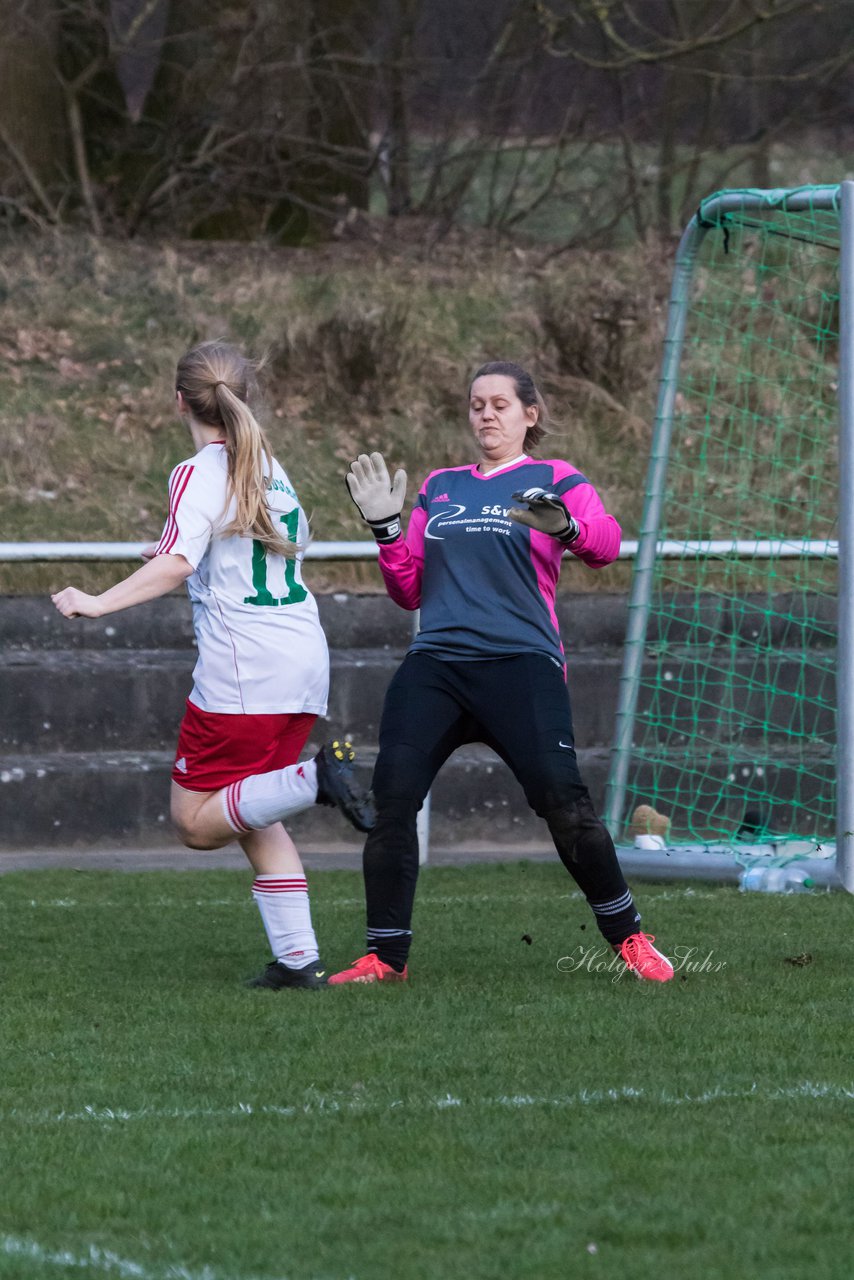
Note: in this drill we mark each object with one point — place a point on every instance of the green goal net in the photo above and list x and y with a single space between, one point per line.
727 726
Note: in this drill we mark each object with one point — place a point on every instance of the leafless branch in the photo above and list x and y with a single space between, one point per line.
666 48
29 174
78 143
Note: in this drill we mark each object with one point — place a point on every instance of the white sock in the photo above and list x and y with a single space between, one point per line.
264 798
285 911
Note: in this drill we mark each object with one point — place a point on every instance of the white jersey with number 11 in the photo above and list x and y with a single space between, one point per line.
262 650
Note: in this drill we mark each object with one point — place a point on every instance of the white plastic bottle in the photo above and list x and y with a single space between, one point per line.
798 880
759 879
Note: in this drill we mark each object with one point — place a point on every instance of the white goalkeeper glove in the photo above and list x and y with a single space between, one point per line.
379 499
547 514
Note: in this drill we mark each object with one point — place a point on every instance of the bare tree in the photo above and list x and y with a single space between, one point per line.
33 146
247 117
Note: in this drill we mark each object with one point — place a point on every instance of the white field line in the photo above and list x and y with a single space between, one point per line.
318 898
105 1262
335 1105
241 903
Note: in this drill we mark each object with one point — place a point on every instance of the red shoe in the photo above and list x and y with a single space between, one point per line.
369 968
642 959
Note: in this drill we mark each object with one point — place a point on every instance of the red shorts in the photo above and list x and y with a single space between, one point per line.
215 750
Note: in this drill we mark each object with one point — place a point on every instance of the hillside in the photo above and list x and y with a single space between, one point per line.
369 343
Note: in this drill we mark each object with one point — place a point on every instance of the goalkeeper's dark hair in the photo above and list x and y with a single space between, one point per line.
526 390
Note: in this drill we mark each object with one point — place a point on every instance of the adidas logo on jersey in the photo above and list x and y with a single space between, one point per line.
443 497
181 765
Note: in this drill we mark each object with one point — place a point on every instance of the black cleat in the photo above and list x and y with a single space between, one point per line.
277 975
336 784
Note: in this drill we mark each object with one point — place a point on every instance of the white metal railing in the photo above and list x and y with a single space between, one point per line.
759 549
42 552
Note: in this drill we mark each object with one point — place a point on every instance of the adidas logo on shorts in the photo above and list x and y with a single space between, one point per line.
181 765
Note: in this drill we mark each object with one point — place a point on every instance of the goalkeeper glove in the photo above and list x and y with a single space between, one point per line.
547 514
380 500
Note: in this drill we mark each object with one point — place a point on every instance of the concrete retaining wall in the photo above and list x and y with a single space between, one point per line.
90 711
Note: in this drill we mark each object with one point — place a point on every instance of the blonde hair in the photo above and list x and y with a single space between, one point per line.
214 379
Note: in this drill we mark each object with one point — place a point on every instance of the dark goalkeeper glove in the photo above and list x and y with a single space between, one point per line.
379 499
547 514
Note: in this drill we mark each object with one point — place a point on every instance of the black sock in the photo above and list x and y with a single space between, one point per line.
391 946
390 865
617 919
587 851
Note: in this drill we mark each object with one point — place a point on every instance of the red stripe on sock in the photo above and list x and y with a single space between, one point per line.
261 888
281 882
230 807
232 797
285 882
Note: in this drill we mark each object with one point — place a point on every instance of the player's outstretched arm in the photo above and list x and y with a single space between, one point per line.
379 499
156 578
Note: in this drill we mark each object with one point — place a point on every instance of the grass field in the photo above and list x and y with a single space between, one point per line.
498 1117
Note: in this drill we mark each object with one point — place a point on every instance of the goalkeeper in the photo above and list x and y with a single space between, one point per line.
481 559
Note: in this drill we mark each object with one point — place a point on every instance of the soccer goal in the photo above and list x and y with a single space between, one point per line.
734 717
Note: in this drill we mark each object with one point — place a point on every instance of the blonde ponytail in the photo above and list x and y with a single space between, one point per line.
214 380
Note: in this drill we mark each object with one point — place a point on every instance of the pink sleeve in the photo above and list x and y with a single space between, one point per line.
402 563
598 543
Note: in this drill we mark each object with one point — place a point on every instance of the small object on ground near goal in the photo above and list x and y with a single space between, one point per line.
761 878
649 828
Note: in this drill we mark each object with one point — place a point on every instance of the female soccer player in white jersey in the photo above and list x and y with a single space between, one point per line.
235 534
488 663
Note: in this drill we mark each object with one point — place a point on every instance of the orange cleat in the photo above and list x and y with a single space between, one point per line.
642 959
368 968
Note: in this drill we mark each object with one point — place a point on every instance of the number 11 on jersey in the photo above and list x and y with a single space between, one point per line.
263 596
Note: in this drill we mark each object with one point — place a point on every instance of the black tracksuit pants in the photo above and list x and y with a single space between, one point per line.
520 707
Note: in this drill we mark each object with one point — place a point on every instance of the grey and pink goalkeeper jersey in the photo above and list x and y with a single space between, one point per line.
485 584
